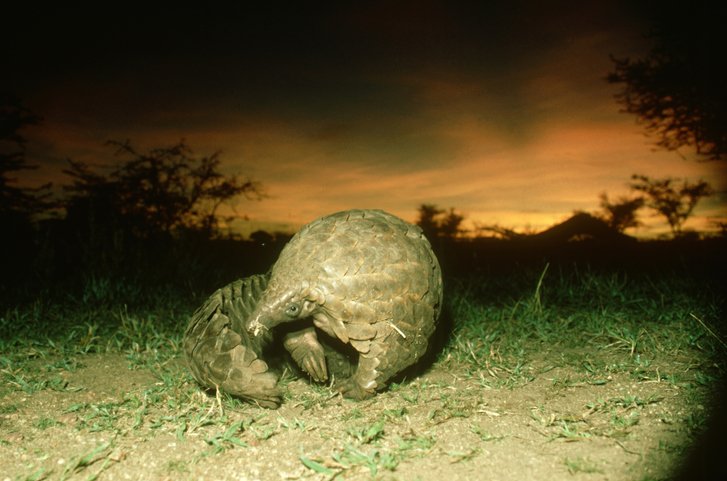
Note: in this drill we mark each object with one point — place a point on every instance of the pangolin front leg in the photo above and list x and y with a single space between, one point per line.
367 378
387 353
372 341
307 352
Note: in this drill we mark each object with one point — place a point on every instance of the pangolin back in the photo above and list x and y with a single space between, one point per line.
378 283
362 260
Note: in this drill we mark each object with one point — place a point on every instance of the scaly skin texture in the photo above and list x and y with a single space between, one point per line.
364 277
221 354
219 351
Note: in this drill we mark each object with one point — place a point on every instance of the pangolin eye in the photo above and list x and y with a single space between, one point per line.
292 310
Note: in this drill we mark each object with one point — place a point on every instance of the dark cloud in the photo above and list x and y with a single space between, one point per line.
327 62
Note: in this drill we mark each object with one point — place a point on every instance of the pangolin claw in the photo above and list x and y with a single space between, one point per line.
351 389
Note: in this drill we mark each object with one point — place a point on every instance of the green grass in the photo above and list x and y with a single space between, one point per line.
641 317
598 325
634 319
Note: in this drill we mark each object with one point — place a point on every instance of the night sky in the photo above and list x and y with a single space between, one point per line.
500 111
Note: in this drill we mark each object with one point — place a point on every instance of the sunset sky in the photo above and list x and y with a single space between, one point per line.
502 112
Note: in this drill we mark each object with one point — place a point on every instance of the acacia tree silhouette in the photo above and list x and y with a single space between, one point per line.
160 192
438 223
675 203
621 214
675 90
154 208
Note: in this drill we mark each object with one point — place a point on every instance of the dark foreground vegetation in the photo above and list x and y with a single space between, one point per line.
580 358
56 263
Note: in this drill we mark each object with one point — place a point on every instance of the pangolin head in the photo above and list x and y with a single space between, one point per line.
283 303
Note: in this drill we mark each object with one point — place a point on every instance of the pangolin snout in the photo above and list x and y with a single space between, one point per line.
261 321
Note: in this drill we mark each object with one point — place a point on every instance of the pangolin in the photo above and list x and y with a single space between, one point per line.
364 277
221 354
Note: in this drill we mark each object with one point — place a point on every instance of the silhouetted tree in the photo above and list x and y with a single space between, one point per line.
675 203
427 219
722 226
676 89
162 191
150 215
450 226
438 223
16 200
18 205
621 214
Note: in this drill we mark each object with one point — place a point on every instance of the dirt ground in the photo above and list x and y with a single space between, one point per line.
109 420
